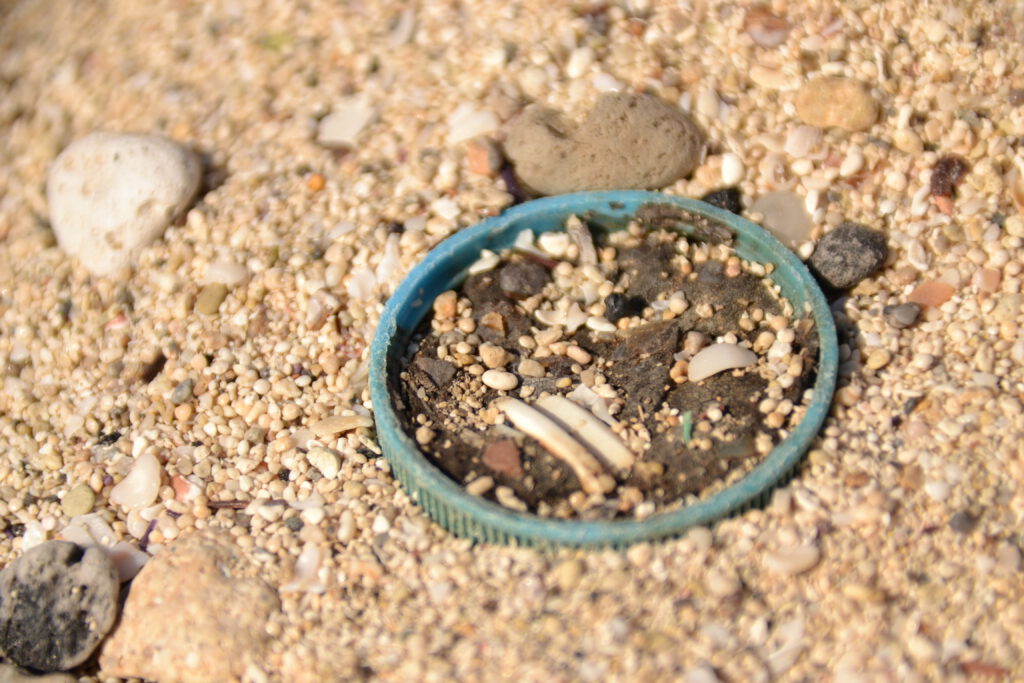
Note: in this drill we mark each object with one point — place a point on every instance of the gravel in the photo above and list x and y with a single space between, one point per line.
895 593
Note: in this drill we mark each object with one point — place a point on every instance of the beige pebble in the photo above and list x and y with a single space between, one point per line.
500 380
480 486
336 424
793 560
878 359
829 102
210 298
530 368
78 501
568 574
445 305
325 460
493 356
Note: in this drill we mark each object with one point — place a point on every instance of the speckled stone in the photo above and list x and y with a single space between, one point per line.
627 141
849 254
196 612
57 602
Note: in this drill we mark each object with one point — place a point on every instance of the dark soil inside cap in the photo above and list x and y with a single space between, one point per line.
636 362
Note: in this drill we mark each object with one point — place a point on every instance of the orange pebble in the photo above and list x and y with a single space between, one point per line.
315 182
945 204
931 293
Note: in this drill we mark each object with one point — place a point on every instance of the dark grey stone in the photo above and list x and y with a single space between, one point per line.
849 254
901 316
57 602
963 522
522 280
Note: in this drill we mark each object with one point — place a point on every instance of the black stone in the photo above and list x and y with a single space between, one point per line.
57 602
848 254
523 279
728 198
619 306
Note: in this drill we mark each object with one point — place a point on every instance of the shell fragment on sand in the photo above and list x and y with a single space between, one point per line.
714 359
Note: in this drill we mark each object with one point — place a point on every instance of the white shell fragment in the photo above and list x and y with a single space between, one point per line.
341 128
141 486
718 357
591 431
561 445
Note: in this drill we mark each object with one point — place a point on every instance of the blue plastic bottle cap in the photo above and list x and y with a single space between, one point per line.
446 268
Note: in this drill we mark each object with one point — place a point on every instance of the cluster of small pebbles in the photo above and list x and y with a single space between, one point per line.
576 345
184 329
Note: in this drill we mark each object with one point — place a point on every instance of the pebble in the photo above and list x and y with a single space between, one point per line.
717 358
523 279
342 127
728 198
500 380
848 254
78 501
567 574
901 316
112 194
325 460
764 28
168 630
141 486
552 156
785 217
931 293
732 169
878 359
226 273
503 457
338 424
528 367
183 391
792 561
831 101
57 603
210 298
963 522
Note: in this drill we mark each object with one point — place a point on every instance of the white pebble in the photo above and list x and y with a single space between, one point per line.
341 128
732 168
141 486
500 380
853 163
467 122
937 490
111 194
226 272
579 61
325 460
795 560
717 358
801 140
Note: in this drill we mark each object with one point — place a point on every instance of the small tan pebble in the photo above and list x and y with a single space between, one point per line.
987 279
507 498
721 584
325 460
563 382
210 298
424 435
446 305
931 293
832 101
338 424
78 501
315 182
290 412
567 574
578 354
861 593
493 356
183 412
480 486
793 560
922 649
530 368
765 28
878 359
500 380
483 157
494 321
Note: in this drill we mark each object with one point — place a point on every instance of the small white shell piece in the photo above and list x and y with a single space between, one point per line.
714 359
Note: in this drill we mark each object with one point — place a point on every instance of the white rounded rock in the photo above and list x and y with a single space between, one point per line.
112 194
718 357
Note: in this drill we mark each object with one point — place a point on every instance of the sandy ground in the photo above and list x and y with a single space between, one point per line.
894 555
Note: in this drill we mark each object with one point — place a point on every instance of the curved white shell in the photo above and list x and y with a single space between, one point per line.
718 357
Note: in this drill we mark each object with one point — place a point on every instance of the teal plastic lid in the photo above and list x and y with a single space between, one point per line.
445 267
